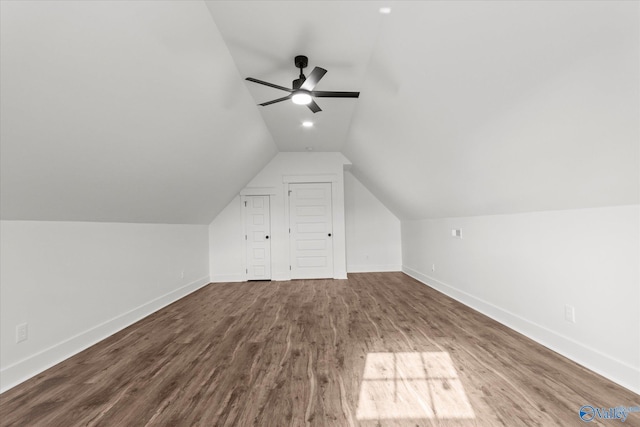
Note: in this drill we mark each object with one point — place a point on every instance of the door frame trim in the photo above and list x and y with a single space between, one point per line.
309 179
258 191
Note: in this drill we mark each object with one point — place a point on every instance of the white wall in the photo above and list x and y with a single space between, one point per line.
226 244
225 247
373 232
75 283
522 269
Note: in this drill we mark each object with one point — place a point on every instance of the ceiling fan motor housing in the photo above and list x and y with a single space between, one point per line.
301 61
297 83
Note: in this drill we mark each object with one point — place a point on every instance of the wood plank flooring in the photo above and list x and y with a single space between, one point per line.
378 349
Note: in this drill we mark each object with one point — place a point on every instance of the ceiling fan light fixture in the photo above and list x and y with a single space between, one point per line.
303 88
301 98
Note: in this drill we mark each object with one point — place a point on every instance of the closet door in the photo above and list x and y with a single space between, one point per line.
310 231
257 225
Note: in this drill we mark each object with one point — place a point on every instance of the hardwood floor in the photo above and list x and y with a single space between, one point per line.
376 349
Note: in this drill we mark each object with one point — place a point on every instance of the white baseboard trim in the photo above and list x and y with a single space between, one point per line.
373 268
617 371
31 366
235 278
223 278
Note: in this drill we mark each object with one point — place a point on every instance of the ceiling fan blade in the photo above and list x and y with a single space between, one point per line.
313 106
313 79
284 98
325 94
251 79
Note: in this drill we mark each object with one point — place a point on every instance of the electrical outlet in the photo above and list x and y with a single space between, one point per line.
433 267
569 314
22 332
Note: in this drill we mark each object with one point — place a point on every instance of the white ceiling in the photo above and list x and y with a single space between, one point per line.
501 107
139 112
263 38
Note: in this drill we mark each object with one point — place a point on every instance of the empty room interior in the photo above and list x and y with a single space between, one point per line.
319 213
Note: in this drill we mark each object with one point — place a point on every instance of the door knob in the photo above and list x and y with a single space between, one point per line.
329 234
266 237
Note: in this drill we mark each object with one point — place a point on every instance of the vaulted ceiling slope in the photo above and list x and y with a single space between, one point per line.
476 108
138 111
466 107
122 111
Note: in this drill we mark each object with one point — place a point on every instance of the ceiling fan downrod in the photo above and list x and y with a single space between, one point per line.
300 62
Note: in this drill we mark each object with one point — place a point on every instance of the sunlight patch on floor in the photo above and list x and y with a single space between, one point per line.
411 385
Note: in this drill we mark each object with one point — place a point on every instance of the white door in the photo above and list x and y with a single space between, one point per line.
310 228
257 220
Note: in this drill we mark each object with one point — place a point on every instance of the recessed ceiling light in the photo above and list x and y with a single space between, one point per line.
307 124
385 10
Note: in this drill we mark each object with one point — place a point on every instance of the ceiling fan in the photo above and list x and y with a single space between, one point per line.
302 92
